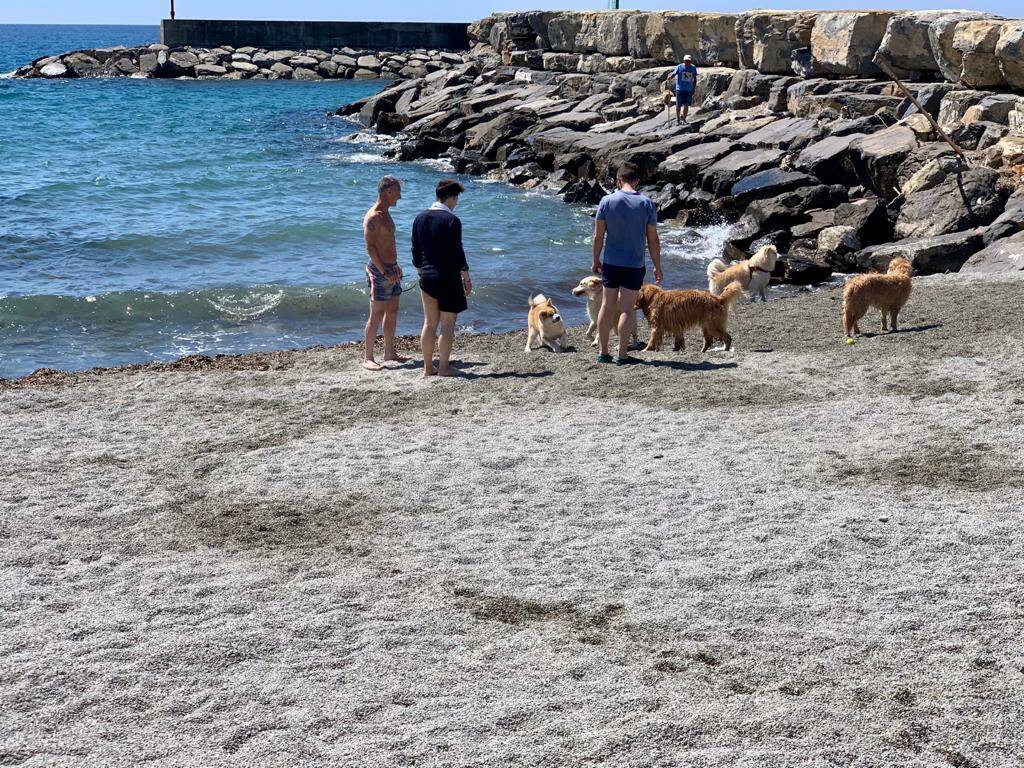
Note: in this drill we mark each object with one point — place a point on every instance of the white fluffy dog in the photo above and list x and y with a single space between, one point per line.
545 323
753 274
592 287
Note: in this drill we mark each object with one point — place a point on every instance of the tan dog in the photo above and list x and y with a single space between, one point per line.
592 287
545 323
888 293
675 311
668 95
753 274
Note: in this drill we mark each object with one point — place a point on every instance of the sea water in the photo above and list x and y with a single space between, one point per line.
149 219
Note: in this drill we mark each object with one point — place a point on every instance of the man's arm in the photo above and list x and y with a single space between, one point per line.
599 232
460 254
654 246
417 247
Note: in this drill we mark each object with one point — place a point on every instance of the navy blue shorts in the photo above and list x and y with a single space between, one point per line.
630 278
684 98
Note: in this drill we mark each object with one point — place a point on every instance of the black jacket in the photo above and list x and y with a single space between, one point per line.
437 244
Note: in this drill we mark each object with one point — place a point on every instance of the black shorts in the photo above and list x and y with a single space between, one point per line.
446 290
630 278
684 98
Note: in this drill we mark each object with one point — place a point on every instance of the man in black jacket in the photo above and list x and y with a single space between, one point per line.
439 258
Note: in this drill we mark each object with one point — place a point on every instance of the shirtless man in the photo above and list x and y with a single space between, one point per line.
383 275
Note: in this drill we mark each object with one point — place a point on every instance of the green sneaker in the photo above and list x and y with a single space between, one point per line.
627 360
602 358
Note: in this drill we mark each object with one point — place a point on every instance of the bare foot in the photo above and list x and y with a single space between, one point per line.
372 365
396 358
429 372
446 372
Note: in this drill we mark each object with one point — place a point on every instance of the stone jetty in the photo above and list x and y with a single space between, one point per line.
799 138
246 63
798 135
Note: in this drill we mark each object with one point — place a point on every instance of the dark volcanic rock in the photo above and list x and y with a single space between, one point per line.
829 159
966 199
769 183
1006 255
794 207
588 192
685 165
789 132
805 271
877 158
719 177
929 255
868 218
1010 221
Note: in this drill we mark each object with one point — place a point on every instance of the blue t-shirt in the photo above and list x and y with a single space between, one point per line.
626 216
686 77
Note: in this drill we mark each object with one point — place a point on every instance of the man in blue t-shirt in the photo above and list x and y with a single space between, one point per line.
626 228
685 75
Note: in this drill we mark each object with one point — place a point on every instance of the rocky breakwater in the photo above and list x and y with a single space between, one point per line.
247 63
799 138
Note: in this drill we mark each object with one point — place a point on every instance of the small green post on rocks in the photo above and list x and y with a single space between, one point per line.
172 10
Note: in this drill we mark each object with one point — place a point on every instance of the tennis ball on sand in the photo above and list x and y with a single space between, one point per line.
851 341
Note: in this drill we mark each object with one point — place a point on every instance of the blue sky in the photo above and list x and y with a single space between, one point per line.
150 11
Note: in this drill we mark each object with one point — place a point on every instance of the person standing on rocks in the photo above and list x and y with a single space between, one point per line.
685 75
625 230
440 259
383 275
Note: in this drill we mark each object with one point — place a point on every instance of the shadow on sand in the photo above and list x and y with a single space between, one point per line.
682 365
915 329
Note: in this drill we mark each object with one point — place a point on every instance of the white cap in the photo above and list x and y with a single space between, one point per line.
687 57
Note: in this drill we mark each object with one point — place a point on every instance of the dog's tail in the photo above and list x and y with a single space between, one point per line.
537 299
730 295
716 268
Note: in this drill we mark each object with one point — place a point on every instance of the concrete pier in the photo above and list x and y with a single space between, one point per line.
304 35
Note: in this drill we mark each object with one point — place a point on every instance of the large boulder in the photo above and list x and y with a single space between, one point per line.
976 43
877 158
84 65
562 31
787 133
1010 221
954 106
1010 53
766 40
867 217
942 34
928 255
964 199
829 159
720 176
1002 256
603 32
53 69
684 166
845 42
794 207
906 46
716 44
769 183
662 35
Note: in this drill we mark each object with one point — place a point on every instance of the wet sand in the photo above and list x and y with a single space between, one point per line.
801 553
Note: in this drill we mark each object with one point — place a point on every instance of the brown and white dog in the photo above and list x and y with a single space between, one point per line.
888 293
592 287
545 323
752 274
673 312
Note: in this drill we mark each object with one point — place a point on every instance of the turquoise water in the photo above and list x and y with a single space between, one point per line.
145 220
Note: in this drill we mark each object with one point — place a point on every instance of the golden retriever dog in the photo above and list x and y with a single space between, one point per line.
592 287
545 323
753 274
668 95
673 312
888 293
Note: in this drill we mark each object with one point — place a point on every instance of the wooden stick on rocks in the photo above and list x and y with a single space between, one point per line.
884 66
